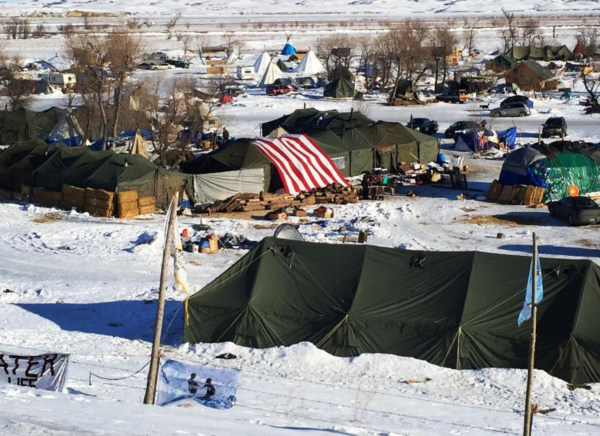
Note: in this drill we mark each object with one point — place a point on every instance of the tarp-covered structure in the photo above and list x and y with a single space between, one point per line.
500 63
476 141
355 142
556 167
24 125
288 50
293 163
453 309
51 166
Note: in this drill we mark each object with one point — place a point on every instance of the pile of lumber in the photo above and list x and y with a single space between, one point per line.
519 194
336 194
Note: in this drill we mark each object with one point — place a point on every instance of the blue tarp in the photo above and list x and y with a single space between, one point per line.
146 134
531 179
69 142
288 50
508 136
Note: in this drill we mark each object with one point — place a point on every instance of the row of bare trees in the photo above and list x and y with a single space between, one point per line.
21 28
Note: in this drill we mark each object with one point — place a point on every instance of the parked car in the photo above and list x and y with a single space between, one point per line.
460 127
178 63
459 96
164 66
285 82
145 66
517 99
424 125
511 110
306 82
575 210
554 126
278 90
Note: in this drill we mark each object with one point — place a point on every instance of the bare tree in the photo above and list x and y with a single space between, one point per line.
202 42
508 30
172 23
443 42
25 28
15 88
529 31
11 28
337 51
123 50
39 31
469 38
67 30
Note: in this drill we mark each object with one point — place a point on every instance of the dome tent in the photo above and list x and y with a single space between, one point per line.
262 63
288 50
271 75
310 65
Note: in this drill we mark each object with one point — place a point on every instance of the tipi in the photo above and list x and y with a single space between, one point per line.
261 64
271 75
310 65
138 147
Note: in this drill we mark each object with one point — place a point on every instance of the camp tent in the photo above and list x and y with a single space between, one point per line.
138 146
555 167
340 88
24 124
310 65
355 142
500 63
18 162
288 50
262 63
547 53
282 66
478 141
42 87
67 131
453 309
272 73
295 163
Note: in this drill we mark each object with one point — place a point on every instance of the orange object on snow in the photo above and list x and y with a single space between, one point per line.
573 191
185 233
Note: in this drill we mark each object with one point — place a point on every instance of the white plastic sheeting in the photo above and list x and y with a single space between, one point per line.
209 188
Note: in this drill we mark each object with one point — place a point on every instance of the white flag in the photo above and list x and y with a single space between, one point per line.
176 248
539 292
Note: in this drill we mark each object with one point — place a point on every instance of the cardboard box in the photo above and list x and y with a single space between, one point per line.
300 213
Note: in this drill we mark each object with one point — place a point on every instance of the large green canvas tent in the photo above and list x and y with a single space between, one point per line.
547 53
24 124
20 160
454 309
340 88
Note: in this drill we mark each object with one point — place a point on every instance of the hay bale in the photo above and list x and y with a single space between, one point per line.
26 190
90 209
124 207
130 213
104 204
145 210
76 192
90 193
106 213
37 192
65 204
91 201
104 195
55 197
7 195
127 197
146 201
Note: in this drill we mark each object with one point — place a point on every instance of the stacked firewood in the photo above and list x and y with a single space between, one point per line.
336 194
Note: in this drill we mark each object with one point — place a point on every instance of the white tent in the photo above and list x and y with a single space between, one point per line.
271 75
310 65
262 63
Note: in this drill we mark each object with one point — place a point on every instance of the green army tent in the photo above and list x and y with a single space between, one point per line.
340 88
24 124
292 122
20 160
453 309
547 53
500 63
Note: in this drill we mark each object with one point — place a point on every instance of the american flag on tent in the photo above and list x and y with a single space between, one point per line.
301 163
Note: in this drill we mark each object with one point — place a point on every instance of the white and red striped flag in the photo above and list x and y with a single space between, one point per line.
301 163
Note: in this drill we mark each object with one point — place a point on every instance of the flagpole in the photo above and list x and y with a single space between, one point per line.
528 415
160 310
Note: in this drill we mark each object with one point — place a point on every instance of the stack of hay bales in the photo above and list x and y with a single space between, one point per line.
127 204
99 202
26 193
73 197
147 205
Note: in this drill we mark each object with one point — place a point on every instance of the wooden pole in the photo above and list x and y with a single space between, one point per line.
160 310
528 415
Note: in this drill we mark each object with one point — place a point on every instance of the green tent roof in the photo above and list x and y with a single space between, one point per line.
340 88
24 124
458 310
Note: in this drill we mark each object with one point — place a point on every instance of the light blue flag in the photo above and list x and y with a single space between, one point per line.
539 292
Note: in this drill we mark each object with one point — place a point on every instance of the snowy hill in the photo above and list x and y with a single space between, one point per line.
270 7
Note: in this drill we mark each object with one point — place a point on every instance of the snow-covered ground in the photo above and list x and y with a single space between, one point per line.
87 286
313 7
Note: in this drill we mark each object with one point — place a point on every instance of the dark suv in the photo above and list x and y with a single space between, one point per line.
554 126
460 127
424 125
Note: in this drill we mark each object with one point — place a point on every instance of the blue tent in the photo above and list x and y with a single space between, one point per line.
468 141
288 50
508 137
518 168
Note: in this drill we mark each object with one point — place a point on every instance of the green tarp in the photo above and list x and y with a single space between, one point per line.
459 309
547 53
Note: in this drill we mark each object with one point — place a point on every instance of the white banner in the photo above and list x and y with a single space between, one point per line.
212 387
44 371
